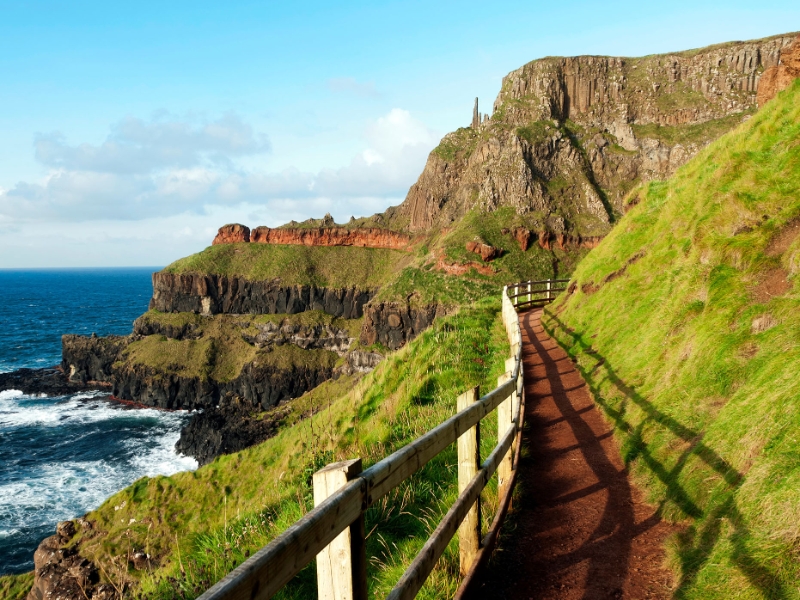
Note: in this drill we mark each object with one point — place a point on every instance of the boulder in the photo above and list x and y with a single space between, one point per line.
487 252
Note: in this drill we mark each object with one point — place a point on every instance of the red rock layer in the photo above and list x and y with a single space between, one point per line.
777 78
333 236
230 234
546 240
487 252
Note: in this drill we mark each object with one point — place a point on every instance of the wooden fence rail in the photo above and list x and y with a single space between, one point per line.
333 531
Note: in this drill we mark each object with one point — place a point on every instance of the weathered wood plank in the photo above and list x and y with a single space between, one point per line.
340 574
469 458
504 423
387 474
419 569
269 569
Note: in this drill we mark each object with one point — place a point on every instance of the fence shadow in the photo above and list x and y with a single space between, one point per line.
696 543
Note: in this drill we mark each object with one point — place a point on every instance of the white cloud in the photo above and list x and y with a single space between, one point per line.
136 146
153 191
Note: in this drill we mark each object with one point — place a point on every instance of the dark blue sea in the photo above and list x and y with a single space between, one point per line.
62 456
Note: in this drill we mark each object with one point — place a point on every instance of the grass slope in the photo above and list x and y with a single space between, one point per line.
336 266
199 525
685 323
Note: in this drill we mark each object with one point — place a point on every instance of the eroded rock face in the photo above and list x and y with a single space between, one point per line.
90 359
488 253
307 337
214 294
367 237
258 385
394 324
570 136
231 234
61 573
779 77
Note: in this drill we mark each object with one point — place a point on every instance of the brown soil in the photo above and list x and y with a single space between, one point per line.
781 242
580 530
771 284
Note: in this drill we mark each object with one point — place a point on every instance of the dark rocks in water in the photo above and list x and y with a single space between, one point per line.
91 359
393 324
226 429
214 294
52 382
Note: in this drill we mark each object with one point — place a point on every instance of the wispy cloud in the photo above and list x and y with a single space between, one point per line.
167 167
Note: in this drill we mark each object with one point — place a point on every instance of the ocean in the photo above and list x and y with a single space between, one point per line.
62 456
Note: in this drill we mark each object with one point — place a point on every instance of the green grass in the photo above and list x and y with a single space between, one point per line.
15 587
698 133
221 352
336 266
696 365
199 525
457 145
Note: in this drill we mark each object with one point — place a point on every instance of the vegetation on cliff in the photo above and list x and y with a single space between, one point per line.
197 526
334 267
684 322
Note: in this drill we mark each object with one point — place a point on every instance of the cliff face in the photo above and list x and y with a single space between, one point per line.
367 237
210 294
570 137
779 77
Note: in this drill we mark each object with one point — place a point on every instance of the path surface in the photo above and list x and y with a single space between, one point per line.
580 530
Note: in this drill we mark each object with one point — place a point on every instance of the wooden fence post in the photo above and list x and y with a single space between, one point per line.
510 363
530 296
469 458
342 565
549 295
504 423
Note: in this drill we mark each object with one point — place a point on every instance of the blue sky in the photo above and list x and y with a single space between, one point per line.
130 131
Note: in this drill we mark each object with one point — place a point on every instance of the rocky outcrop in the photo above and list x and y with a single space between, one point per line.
258 385
51 382
91 359
308 337
61 573
393 324
488 253
569 137
226 429
214 294
367 237
231 234
779 77
523 237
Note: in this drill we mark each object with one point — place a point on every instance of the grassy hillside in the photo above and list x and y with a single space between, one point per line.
685 322
199 525
337 266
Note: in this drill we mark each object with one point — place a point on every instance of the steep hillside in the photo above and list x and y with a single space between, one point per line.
685 322
569 137
172 537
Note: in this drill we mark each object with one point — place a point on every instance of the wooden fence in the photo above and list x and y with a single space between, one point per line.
531 294
333 531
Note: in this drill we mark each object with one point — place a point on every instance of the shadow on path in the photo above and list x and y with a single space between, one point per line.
579 529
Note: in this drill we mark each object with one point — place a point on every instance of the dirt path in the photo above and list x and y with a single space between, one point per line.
581 531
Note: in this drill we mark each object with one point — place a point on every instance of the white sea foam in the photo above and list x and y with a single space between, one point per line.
41 495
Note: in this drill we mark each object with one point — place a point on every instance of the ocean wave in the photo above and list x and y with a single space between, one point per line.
62 457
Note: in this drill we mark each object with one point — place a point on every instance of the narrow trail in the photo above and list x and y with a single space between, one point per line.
580 528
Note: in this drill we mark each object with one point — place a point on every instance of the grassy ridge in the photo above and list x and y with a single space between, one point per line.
199 525
335 266
685 323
